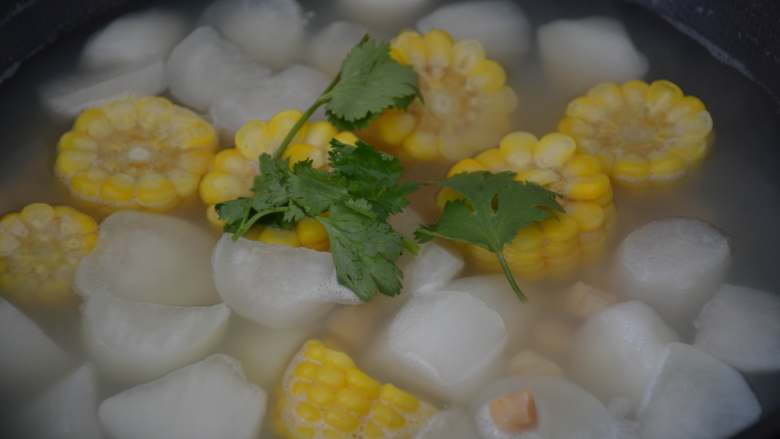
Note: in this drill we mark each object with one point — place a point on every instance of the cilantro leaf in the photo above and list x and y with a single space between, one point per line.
364 252
370 81
493 209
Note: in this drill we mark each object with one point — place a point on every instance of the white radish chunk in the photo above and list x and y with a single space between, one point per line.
206 400
276 285
432 268
134 342
147 257
330 46
696 396
381 14
741 326
453 423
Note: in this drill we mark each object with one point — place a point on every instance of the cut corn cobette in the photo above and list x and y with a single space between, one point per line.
642 133
557 246
324 395
466 102
40 248
135 152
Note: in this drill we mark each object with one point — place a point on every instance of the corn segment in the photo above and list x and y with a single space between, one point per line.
325 396
643 134
557 246
465 107
135 152
40 247
233 170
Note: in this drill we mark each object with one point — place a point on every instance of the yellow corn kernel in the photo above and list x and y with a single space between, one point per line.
195 161
386 417
281 124
409 48
690 151
362 381
372 431
272 235
354 399
184 182
587 109
394 126
300 388
587 188
683 107
299 152
87 184
155 191
118 188
438 50
255 138
608 95
492 160
665 166
518 149
696 125
217 187
308 412
553 150
331 376
631 168
341 419
466 54
37 215
487 75
321 394
86 118
527 239
306 370
561 228
589 216
634 92
305 433
421 146
312 234
76 141
338 359
320 133
661 96
346 138
399 398
466 165
71 162
231 161
542 177
582 165
314 350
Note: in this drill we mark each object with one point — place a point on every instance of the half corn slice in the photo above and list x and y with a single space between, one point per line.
325 396
232 171
40 247
135 152
465 107
557 246
642 133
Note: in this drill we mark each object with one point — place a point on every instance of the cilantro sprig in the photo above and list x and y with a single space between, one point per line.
493 209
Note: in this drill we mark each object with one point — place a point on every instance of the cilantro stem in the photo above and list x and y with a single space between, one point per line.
510 277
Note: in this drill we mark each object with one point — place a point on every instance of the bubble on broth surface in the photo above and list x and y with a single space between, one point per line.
577 54
68 410
500 26
153 258
135 38
206 400
271 31
734 316
28 358
205 67
447 344
696 397
293 88
619 351
432 268
564 410
276 285
135 342
68 96
329 47
675 265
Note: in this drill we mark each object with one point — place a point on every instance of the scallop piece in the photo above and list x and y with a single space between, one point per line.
67 97
293 88
563 410
68 410
619 351
500 26
675 265
137 342
696 396
271 31
578 54
147 257
432 268
276 285
205 67
381 14
206 400
448 344
330 46
28 358
741 326
453 423
135 38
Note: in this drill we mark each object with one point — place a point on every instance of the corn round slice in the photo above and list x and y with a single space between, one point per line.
557 246
465 107
40 247
135 152
233 170
642 133
325 396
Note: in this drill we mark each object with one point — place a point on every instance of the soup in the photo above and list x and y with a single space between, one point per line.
188 251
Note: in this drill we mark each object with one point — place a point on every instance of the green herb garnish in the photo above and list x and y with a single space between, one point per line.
493 209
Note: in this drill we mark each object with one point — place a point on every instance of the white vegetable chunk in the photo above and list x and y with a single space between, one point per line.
205 67
564 410
381 14
741 326
619 351
432 268
453 423
500 26
28 358
675 265
448 344
69 96
330 46
206 400
263 352
68 410
271 31
134 342
697 397
276 285
136 38
147 257
293 88
578 54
